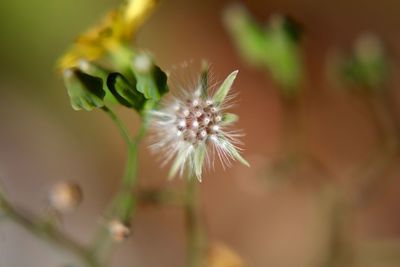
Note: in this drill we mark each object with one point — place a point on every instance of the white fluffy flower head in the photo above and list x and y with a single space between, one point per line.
194 128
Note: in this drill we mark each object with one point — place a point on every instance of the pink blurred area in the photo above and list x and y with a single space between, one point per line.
268 223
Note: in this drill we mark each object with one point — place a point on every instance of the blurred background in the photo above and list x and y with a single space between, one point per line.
267 221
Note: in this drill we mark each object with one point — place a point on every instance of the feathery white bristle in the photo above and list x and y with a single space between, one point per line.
187 125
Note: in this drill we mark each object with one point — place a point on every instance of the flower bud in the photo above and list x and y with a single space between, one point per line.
65 196
118 230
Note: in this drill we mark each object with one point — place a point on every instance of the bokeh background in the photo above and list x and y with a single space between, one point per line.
42 140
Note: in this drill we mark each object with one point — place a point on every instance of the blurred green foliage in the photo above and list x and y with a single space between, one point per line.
366 65
34 33
274 48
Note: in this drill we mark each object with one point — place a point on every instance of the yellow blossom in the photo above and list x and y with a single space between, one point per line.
116 28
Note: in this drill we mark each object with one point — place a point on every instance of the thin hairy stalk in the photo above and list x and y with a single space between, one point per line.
293 136
194 235
294 144
373 173
384 121
291 142
123 205
338 215
48 233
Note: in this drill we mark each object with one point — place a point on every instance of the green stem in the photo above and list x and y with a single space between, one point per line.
374 173
48 233
120 125
123 205
194 247
293 136
339 216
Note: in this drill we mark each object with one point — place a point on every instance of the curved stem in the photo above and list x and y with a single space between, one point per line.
338 215
194 247
293 135
123 205
374 172
120 125
48 233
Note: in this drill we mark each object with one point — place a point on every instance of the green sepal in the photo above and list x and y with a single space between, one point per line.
152 84
203 81
223 90
232 150
93 69
178 163
97 70
229 118
125 92
199 156
85 91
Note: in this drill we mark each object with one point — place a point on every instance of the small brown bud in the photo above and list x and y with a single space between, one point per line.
65 196
118 230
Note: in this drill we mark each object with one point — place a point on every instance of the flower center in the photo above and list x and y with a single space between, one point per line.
197 119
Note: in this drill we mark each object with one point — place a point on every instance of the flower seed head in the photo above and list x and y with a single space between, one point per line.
65 196
193 125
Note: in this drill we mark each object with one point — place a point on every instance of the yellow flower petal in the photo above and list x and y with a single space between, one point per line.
117 27
135 14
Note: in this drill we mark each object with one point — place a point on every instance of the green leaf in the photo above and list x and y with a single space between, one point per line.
85 91
124 91
223 90
152 84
